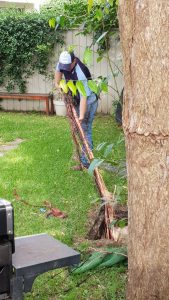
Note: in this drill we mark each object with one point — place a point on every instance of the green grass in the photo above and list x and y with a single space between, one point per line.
39 170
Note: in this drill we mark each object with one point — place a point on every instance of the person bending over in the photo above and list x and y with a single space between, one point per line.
71 68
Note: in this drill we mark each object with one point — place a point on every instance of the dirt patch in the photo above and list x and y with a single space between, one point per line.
96 223
96 220
4 148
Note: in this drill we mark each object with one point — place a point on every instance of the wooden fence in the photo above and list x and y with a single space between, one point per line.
39 84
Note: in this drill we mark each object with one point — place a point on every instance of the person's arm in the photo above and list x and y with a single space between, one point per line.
58 77
82 108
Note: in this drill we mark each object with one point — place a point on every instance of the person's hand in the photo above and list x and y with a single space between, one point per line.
81 119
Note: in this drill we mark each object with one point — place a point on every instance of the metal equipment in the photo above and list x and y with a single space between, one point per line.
7 247
22 260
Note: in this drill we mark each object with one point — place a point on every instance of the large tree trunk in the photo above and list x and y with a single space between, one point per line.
144 29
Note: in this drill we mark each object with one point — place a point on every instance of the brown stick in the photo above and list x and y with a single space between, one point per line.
74 134
99 180
104 193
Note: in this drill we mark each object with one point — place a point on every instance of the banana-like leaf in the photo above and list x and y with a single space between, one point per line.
64 86
114 258
94 260
72 87
93 86
94 164
81 88
108 258
87 57
52 23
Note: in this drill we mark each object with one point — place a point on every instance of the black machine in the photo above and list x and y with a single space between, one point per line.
7 247
22 260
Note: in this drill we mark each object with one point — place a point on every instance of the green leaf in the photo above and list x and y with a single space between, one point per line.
122 223
63 86
52 23
99 59
62 21
101 146
114 258
104 87
99 14
87 57
72 87
111 2
106 10
71 48
108 150
94 164
90 4
81 88
93 261
101 37
93 86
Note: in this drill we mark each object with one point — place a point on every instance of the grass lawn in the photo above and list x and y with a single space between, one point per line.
39 170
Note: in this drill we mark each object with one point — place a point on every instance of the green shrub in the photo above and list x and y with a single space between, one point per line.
26 45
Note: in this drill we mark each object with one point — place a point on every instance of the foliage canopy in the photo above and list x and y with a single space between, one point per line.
98 18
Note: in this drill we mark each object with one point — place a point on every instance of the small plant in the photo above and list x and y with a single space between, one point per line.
110 153
111 160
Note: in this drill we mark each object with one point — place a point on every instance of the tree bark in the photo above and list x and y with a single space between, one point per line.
144 29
